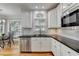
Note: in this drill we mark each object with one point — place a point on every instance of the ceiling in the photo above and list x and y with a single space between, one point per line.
18 8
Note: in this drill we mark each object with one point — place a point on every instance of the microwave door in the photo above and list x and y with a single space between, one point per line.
72 20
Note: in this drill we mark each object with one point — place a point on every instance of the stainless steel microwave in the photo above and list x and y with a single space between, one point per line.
71 19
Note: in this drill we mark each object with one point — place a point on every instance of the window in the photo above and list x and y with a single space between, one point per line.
14 25
2 26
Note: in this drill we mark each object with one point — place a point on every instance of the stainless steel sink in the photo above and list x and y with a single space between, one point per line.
41 35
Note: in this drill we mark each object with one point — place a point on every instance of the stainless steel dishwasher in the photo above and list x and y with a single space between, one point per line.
25 44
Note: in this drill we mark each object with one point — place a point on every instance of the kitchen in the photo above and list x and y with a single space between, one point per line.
49 28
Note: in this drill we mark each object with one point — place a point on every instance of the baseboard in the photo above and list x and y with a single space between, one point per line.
41 51
38 52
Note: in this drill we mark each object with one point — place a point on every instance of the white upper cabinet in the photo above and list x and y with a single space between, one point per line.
69 7
59 15
27 20
54 17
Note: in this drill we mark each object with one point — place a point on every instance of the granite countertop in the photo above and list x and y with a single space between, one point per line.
73 44
25 36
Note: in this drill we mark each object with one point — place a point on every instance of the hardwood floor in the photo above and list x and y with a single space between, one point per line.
14 51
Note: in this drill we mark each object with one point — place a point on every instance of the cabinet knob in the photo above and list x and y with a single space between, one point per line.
68 51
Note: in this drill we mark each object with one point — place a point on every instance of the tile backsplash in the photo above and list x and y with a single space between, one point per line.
71 28
26 31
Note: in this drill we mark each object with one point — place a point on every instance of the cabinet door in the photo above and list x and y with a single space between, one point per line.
66 51
58 48
52 18
59 15
26 21
73 53
45 44
35 44
55 47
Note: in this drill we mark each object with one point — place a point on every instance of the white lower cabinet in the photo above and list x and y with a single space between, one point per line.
45 44
40 44
55 47
60 49
35 44
74 53
66 51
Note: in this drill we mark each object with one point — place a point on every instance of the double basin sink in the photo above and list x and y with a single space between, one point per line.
35 35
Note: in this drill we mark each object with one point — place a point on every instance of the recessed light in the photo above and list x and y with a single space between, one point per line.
36 6
43 7
3 20
1 9
64 7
